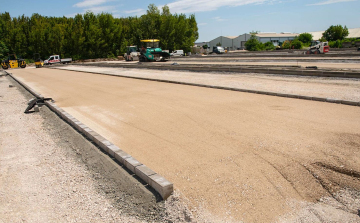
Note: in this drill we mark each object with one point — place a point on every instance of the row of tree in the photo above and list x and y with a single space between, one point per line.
90 36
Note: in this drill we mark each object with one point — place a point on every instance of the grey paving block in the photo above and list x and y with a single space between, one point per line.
121 156
83 126
92 135
305 97
104 144
77 126
161 185
131 163
332 100
292 96
87 132
113 149
144 173
318 99
98 139
354 103
271 93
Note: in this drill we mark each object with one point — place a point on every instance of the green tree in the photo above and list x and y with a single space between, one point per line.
218 44
296 44
335 44
269 46
253 44
334 33
95 35
305 38
3 51
167 29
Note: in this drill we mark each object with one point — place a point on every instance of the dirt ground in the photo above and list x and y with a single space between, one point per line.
336 88
50 173
242 157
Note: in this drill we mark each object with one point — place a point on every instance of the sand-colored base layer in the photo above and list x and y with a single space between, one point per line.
241 156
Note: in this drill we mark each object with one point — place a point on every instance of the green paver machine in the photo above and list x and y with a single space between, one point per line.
152 51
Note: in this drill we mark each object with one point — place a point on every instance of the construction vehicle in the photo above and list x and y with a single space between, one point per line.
13 62
38 61
54 59
131 53
318 47
152 52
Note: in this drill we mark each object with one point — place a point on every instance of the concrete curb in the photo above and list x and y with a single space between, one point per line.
157 182
310 98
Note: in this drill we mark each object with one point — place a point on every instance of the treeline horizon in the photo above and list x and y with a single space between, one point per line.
90 36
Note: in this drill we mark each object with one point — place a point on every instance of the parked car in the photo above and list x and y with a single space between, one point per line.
218 50
177 53
53 59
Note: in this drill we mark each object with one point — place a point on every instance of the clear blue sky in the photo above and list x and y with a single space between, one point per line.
214 17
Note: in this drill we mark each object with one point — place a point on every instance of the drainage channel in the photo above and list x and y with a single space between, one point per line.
154 180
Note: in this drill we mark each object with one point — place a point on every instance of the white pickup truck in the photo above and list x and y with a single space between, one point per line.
53 59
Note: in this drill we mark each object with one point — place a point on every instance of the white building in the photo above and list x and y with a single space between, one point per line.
353 33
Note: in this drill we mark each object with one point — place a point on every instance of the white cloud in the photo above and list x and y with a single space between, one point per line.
328 2
191 6
100 9
96 6
136 11
219 19
90 3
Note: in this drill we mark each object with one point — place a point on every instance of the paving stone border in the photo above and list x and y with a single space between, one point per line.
157 182
328 100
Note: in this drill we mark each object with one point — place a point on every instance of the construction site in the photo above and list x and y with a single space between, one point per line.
236 137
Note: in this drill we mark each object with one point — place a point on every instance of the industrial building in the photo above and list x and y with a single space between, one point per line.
238 42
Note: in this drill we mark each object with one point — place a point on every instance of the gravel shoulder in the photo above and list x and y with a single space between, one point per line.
50 173
335 88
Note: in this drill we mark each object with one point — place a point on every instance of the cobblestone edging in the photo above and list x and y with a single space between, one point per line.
157 182
329 100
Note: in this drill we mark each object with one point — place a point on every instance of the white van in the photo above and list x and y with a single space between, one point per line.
177 53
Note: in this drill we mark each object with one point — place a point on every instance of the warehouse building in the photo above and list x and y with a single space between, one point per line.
238 42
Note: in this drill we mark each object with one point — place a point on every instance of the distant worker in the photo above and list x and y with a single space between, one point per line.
143 50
